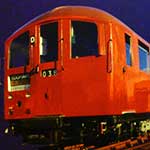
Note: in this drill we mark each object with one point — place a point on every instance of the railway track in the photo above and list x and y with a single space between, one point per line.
141 143
145 146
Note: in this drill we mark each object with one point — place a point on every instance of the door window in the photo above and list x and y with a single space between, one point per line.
143 56
128 50
49 42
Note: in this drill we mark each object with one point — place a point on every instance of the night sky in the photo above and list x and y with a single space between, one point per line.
15 13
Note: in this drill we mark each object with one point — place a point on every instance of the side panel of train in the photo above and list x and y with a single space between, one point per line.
130 76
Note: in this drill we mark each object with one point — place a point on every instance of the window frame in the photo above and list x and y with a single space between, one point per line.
9 48
39 35
127 35
97 24
142 46
46 64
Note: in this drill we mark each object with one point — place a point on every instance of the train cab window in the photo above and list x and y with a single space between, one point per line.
143 56
19 51
128 50
84 39
49 42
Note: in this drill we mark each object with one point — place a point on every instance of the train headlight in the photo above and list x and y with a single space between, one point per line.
27 95
10 97
6 131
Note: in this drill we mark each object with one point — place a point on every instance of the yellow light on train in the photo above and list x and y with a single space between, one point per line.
6 131
10 97
27 95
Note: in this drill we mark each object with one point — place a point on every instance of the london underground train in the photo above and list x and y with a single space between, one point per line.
76 75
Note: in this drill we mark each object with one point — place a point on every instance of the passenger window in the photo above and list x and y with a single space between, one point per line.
19 51
84 39
128 50
143 56
49 42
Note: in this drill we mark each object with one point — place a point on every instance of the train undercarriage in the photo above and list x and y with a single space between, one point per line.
58 132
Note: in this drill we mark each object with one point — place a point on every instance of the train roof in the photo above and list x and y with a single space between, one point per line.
80 12
76 11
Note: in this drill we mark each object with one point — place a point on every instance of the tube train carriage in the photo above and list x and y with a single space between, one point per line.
77 75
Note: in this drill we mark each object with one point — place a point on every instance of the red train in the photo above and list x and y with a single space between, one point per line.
77 75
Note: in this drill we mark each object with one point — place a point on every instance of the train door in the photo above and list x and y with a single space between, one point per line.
125 70
84 77
47 77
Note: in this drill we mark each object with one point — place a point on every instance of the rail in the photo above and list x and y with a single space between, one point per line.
140 143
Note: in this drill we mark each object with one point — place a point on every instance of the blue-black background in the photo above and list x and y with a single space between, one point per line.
15 13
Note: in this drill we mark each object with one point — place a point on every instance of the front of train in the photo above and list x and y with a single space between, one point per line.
51 73
33 81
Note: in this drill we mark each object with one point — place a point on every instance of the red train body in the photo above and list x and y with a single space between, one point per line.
96 67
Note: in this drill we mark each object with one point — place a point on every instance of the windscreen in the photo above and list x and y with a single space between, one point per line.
19 57
19 51
84 39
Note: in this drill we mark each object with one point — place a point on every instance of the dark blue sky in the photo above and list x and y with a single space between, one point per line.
15 13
